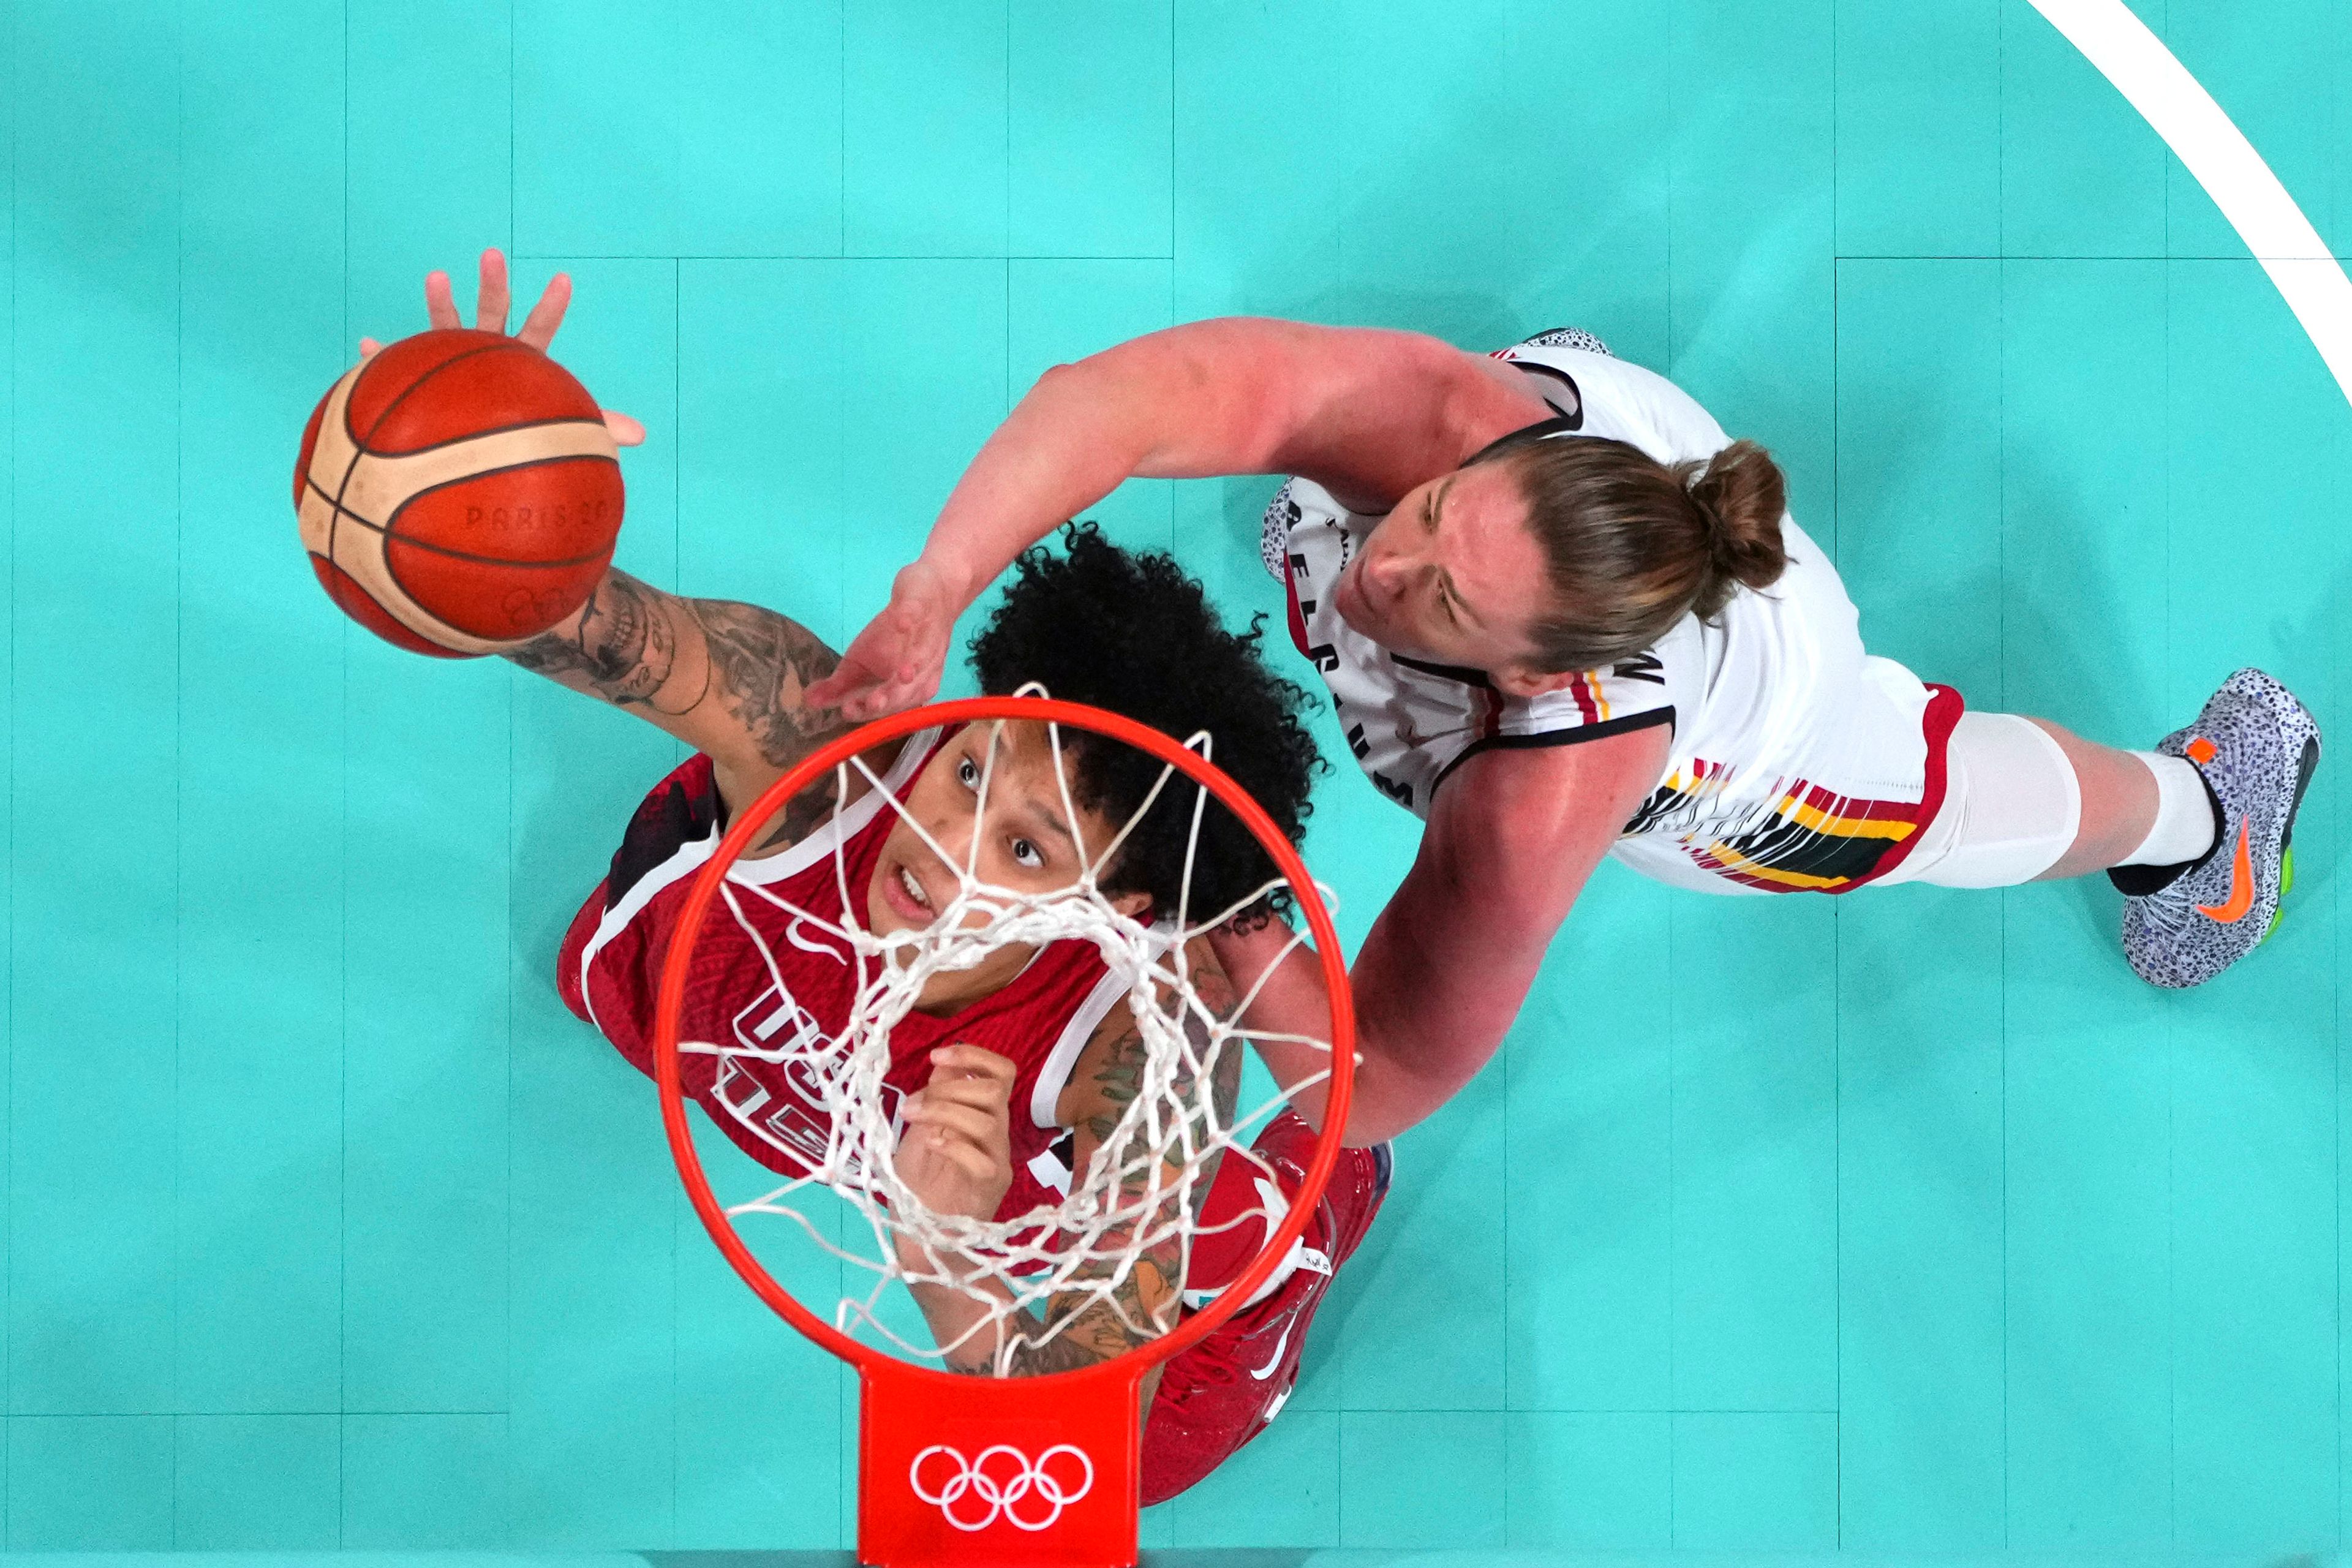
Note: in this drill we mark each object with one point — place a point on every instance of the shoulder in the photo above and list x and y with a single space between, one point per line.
1205 992
1623 401
1632 693
1515 797
801 818
1500 773
1111 1063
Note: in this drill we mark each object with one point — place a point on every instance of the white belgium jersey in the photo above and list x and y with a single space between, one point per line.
1797 763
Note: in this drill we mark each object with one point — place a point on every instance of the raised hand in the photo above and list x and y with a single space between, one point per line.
955 1150
897 660
492 299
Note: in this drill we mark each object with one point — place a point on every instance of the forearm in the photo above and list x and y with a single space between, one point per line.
1288 1016
963 1320
1431 1011
1201 400
1424 1026
1509 845
1065 446
725 677
972 1325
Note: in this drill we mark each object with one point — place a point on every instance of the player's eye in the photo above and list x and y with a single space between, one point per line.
969 772
1027 854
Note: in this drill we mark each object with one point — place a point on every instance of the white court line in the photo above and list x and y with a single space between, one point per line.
2216 152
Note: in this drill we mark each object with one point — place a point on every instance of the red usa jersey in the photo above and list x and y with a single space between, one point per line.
796 982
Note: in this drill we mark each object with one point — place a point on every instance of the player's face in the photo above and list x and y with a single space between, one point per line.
1028 841
1454 575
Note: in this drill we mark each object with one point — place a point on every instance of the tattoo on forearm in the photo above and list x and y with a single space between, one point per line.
762 662
624 649
637 647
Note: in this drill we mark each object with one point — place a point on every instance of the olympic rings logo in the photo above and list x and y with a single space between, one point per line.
1000 1481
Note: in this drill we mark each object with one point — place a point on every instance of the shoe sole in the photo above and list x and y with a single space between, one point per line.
2306 766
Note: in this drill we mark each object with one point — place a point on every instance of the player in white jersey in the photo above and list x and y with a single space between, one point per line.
1562 614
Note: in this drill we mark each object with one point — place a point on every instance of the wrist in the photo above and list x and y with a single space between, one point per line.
952 575
913 1259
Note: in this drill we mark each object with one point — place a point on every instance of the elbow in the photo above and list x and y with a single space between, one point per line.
1392 1093
1059 379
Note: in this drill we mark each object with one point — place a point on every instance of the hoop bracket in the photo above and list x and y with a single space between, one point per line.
986 1476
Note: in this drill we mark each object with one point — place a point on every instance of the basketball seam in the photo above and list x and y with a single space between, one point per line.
484 560
392 567
403 394
394 463
341 509
478 435
359 451
359 442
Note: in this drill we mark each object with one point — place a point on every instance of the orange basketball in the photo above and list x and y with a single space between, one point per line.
458 493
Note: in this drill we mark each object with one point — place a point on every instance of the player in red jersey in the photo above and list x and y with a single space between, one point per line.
1007 1076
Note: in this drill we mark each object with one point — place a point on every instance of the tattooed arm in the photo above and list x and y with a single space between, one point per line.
724 677
1078 1328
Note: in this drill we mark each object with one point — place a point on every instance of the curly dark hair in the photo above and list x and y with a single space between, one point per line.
1133 634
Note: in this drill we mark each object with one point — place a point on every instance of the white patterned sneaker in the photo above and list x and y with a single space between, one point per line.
2256 748
1568 338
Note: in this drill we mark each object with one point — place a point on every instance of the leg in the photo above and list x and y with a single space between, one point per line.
2118 805
2196 834
2029 801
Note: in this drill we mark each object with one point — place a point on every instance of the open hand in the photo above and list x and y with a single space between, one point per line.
897 660
956 1149
490 303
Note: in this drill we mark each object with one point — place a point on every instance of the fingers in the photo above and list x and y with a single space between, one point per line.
440 304
981 1093
979 1107
971 1161
627 432
848 682
908 691
833 688
368 347
494 298
490 303
939 1114
538 327
860 698
895 662
961 1062
945 1129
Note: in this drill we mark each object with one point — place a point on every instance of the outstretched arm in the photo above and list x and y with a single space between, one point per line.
1512 840
1370 414
727 678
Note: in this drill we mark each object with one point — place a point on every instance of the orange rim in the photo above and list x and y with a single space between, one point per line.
669 1002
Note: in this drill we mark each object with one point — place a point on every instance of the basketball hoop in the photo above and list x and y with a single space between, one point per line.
961 1469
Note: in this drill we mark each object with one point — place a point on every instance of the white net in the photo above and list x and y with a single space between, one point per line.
1032 1273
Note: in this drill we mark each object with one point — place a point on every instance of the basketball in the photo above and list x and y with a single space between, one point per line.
457 493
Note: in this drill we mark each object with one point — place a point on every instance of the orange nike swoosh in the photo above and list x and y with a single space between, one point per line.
2241 886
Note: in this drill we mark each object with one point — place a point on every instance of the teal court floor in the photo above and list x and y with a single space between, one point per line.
1910 1223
